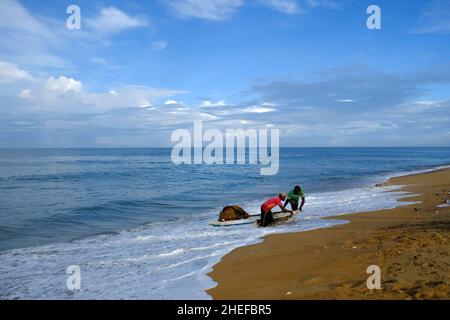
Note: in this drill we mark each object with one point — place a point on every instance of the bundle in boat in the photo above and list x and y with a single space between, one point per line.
231 213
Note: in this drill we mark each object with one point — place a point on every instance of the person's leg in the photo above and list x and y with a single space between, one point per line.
269 218
263 217
294 206
266 218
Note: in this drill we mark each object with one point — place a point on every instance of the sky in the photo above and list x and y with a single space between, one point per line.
137 70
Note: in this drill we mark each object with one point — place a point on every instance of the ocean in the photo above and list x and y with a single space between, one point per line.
137 225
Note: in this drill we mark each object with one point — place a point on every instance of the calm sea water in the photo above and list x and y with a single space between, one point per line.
137 225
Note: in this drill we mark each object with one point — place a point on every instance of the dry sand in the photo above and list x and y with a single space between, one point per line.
411 245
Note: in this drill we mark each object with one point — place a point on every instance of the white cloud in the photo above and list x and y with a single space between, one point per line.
43 41
104 63
205 9
66 94
9 72
25 94
128 96
329 4
220 10
99 61
28 40
171 102
284 6
435 18
220 108
159 45
208 103
14 17
420 107
365 126
112 20
269 104
258 109
346 100
63 84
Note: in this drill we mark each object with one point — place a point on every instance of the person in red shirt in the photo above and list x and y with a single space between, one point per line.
266 209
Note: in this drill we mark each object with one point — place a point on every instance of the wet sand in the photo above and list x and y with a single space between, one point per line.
410 244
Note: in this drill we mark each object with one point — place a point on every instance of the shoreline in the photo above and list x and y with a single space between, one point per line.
410 243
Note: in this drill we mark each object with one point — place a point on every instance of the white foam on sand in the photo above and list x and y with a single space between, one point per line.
166 260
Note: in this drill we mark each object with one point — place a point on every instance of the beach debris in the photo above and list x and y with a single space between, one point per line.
355 246
416 209
288 293
345 286
443 205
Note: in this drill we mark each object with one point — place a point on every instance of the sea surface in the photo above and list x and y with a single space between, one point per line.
137 225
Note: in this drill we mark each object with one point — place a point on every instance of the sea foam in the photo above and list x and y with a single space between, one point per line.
163 260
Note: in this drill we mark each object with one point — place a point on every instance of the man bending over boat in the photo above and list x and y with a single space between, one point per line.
266 209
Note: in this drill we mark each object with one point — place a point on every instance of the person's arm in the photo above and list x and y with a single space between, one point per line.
284 209
286 202
303 203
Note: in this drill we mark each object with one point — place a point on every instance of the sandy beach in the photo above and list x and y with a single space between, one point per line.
410 244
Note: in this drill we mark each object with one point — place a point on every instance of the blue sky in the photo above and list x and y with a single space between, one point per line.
137 70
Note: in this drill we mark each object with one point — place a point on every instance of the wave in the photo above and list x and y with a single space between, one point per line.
165 259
